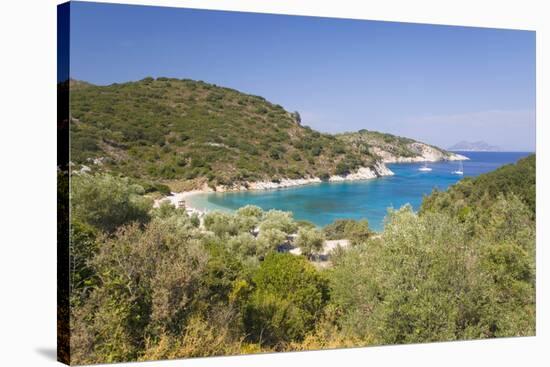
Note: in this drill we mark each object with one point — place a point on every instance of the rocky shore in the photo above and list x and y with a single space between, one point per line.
363 173
425 153
178 199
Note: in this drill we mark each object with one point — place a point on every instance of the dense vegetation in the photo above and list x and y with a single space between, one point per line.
160 285
398 146
187 133
167 129
470 193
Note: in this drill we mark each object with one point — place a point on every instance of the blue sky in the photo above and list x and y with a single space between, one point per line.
438 84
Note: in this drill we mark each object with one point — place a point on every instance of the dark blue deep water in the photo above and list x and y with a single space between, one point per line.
323 203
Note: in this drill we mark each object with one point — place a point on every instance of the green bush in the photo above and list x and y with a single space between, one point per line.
107 202
404 288
221 223
342 169
310 241
148 286
519 179
355 231
82 248
289 296
324 176
269 239
154 187
276 219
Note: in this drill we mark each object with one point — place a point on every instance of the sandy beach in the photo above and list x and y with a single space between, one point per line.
180 199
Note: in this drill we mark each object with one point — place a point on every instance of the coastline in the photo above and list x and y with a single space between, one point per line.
178 199
363 173
425 153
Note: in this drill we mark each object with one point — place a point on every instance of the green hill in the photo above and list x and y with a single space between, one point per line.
184 131
392 148
518 179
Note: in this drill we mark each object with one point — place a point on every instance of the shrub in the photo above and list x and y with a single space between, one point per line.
248 217
148 286
244 244
316 150
107 202
324 176
250 211
310 241
269 239
195 220
355 231
153 187
87 143
276 219
82 248
342 168
167 171
404 288
290 295
202 338
221 223
296 116
305 224
276 153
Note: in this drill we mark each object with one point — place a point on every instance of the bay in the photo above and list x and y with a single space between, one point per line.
369 199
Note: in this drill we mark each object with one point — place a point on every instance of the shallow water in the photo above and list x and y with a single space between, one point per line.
324 202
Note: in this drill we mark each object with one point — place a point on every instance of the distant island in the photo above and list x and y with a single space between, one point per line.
477 146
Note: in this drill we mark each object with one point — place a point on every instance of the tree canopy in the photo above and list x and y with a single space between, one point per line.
152 283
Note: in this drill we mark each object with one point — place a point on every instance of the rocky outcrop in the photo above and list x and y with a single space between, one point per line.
287 182
363 173
424 153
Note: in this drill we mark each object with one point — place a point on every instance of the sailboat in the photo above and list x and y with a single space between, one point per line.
425 168
460 170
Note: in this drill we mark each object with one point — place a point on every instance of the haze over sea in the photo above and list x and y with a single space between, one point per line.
369 199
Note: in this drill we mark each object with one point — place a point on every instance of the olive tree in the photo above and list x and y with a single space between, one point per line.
277 219
107 202
310 241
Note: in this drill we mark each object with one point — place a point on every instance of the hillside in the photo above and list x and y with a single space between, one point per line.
518 179
188 134
396 149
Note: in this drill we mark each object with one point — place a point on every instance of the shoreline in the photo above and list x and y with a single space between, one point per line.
177 199
363 173
426 153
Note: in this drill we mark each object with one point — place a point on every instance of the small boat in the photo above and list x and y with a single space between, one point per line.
425 168
460 170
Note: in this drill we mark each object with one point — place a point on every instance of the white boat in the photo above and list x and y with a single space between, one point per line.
425 168
460 170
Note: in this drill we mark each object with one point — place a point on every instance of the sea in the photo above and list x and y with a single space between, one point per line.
325 202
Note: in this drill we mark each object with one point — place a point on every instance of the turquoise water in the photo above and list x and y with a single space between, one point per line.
324 202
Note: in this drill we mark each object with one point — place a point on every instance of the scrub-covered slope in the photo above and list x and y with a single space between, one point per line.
191 132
